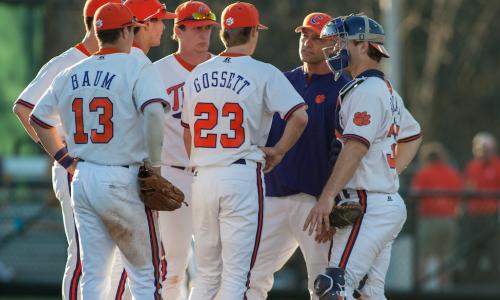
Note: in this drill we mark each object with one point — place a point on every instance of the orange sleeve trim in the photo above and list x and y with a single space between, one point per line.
40 122
410 138
24 103
292 110
357 138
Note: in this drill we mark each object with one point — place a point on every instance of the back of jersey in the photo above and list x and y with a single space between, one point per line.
100 102
229 105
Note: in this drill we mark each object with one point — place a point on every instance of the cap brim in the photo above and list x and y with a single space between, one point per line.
262 27
198 23
166 15
380 48
314 29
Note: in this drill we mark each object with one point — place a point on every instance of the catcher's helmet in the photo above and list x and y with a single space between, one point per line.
351 28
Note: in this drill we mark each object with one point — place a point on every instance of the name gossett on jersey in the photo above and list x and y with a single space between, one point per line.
229 105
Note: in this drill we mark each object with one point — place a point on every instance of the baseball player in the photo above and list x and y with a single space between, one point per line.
104 102
151 13
60 180
228 108
380 138
192 30
293 186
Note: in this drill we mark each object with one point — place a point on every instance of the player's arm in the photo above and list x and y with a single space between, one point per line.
187 141
154 129
409 140
347 163
23 114
295 125
32 93
406 153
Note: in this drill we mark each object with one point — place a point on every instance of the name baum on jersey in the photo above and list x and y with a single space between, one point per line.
221 80
83 80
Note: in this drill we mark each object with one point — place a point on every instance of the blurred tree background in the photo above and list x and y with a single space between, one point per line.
449 57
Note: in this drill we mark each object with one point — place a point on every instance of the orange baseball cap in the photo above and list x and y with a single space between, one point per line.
241 14
145 10
314 21
92 5
195 14
114 16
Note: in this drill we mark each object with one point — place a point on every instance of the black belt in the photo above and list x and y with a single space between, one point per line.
240 161
125 166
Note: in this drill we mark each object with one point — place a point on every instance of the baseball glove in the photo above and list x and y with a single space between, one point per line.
345 214
156 192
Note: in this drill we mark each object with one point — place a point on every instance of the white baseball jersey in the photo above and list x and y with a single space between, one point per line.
174 72
374 114
229 105
37 87
100 100
137 52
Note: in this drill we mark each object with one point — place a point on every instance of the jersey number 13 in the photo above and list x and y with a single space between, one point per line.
102 136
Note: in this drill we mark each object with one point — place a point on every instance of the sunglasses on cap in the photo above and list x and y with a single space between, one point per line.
199 16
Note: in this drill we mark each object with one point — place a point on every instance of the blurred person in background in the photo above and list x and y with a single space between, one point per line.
437 225
482 173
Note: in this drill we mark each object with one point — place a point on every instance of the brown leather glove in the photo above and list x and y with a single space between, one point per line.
158 193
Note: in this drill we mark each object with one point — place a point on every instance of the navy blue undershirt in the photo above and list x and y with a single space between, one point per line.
305 168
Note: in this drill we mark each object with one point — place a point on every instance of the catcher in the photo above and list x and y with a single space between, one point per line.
380 138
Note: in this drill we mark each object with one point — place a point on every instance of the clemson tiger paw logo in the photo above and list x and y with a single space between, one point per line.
229 21
361 118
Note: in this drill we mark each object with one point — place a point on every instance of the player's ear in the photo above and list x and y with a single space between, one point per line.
254 31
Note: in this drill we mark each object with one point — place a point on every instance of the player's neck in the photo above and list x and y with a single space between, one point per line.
245 49
320 68
141 45
355 70
90 42
192 57
120 46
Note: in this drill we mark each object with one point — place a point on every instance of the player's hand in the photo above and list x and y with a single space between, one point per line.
273 157
157 170
319 216
71 169
325 235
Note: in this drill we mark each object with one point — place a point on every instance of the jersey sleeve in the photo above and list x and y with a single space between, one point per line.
361 115
39 85
410 129
148 89
280 96
45 112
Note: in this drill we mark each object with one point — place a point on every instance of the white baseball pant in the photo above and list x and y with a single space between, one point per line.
365 248
228 204
176 232
61 183
284 218
109 214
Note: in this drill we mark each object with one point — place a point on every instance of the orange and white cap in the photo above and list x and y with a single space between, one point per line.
195 14
114 16
239 15
314 21
91 6
145 10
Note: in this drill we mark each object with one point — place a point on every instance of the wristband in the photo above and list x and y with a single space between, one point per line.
67 161
61 153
